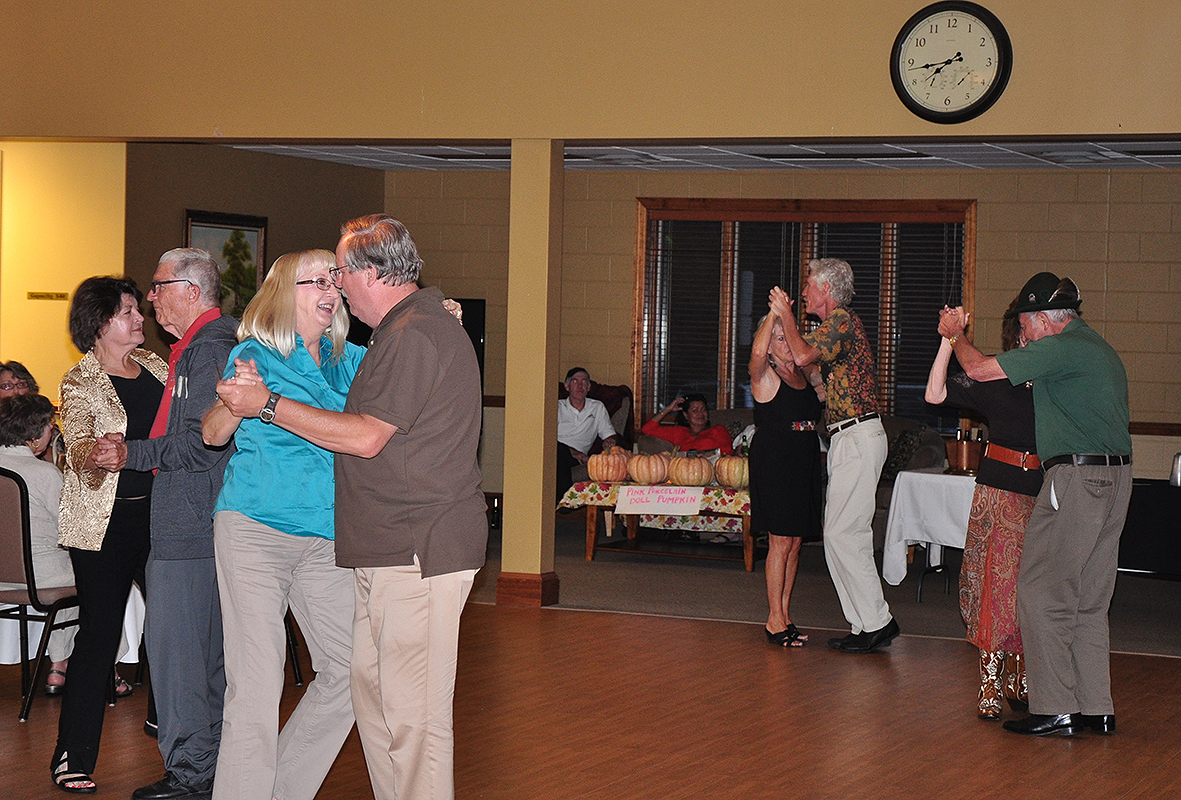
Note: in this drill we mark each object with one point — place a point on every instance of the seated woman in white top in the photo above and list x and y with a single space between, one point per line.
26 426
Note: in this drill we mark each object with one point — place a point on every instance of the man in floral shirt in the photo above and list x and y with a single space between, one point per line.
856 451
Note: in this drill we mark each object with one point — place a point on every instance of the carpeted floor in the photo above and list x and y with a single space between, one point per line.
1145 611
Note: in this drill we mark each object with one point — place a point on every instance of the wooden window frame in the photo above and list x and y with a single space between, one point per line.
730 210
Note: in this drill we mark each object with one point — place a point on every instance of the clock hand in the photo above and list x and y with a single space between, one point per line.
958 57
941 65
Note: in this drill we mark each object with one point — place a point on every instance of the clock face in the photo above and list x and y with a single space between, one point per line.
951 61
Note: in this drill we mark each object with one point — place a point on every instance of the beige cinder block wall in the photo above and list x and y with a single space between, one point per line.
459 221
1117 233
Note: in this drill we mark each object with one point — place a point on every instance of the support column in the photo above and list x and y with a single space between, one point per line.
527 574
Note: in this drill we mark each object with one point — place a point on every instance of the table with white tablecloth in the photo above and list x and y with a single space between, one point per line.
927 507
133 626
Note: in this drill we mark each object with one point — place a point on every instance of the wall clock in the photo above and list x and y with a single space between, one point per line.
951 61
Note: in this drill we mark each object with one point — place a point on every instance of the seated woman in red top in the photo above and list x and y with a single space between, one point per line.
692 431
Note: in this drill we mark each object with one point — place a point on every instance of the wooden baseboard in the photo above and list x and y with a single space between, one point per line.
527 589
1155 428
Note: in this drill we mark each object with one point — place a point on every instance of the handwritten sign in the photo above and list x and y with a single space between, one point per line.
678 500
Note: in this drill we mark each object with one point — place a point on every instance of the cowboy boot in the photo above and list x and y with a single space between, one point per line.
989 704
1019 701
1014 682
1010 680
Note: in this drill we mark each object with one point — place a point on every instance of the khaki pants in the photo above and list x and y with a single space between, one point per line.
1064 588
260 572
405 644
855 459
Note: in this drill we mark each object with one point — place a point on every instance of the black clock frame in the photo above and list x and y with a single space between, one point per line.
986 100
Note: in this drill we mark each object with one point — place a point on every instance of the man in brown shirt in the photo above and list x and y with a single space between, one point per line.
410 516
856 451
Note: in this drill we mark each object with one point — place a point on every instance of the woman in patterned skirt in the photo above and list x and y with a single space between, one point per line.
1007 484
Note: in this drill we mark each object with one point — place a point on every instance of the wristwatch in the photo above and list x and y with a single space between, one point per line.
267 414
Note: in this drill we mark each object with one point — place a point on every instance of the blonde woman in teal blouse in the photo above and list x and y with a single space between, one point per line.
273 541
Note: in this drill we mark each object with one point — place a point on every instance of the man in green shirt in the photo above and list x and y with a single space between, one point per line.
1068 566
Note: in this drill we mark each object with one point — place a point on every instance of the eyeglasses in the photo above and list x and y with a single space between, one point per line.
8 387
335 273
157 284
323 284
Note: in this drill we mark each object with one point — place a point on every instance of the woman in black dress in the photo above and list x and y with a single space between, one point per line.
785 486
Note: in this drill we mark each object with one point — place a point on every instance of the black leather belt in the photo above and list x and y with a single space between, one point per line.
1088 460
848 423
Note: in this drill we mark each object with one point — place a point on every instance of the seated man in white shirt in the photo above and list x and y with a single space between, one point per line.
580 421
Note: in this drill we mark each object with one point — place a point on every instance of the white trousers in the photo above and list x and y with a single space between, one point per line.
855 459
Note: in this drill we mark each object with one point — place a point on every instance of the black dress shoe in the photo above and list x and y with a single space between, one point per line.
837 642
1047 724
872 640
1099 723
170 787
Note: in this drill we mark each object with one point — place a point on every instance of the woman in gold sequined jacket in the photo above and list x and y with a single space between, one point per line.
112 393
88 495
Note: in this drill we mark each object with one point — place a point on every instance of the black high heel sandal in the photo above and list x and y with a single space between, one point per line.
788 637
68 781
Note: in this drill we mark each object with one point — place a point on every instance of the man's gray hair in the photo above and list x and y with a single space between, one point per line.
200 268
837 274
381 242
1055 314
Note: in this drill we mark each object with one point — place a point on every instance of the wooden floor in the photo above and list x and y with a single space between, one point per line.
567 704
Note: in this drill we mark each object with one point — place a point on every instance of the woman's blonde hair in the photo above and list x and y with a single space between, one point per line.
270 315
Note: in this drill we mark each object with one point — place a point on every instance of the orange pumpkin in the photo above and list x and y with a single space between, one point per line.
686 471
732 471
609 467
649 469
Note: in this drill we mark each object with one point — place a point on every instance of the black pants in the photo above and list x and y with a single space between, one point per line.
103 579
566 463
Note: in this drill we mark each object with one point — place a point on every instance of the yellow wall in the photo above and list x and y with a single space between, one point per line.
1118 234
463 69
62 221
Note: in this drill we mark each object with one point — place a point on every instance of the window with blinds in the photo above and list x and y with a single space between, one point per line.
708 265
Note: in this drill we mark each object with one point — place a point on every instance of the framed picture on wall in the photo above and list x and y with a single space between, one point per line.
238 242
